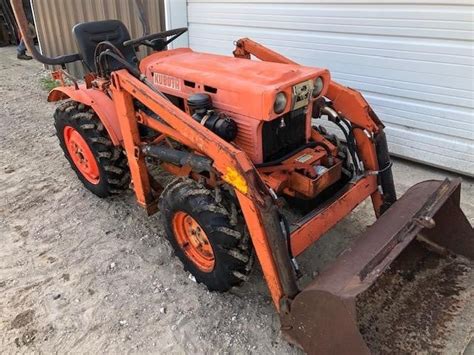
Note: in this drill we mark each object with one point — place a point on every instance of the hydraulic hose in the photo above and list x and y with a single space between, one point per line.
97 53
351 145
133 70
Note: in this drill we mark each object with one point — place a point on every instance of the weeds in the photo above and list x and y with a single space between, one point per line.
48 83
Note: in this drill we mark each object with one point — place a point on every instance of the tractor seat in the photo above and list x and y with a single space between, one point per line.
90 34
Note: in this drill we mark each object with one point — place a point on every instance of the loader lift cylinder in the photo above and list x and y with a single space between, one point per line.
178 157
385 176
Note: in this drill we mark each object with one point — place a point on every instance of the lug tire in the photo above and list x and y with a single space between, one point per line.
113 175
231 248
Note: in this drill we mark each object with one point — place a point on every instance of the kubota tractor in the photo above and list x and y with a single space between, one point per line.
239 138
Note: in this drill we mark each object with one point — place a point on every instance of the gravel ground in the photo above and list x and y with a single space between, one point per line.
84 275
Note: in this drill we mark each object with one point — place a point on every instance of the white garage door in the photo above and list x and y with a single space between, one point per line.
413 60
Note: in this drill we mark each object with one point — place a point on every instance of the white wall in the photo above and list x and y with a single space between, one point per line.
176 16
413 60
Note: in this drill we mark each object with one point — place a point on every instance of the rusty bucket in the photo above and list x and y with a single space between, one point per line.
323 319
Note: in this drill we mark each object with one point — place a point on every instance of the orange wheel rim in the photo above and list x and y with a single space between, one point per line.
81 154
193 241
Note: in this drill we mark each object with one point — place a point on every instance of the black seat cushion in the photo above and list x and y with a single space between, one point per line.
90 34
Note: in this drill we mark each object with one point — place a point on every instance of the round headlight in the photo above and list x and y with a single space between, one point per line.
318 87
280 103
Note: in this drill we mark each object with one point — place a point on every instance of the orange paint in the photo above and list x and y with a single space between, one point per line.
230 82
193 241
309 231
98 100
81 155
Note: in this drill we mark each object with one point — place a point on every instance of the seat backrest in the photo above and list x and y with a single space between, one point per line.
90 34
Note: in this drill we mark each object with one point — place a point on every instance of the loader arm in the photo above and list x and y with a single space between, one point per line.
259 210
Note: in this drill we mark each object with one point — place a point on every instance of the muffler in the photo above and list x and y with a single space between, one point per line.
323 319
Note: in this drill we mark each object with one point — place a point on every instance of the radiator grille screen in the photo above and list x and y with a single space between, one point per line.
279 140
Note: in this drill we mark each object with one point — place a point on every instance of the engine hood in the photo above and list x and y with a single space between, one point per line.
237 85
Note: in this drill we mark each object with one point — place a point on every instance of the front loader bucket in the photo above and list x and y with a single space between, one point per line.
322 319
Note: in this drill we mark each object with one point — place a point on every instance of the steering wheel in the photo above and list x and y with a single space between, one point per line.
157 41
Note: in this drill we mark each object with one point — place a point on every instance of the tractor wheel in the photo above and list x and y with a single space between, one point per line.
213 250
100 165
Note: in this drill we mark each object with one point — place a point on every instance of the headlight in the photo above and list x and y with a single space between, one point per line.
280 103
318 87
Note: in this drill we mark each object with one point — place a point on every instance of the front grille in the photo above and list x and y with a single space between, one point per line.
279 141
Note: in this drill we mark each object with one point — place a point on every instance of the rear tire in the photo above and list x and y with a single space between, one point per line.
223 257
100 166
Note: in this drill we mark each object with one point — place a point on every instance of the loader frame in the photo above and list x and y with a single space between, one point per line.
237 170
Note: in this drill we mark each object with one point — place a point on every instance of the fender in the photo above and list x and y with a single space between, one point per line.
102 105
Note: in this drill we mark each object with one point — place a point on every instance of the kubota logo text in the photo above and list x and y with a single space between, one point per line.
166 80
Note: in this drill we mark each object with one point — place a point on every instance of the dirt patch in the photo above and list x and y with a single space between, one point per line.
416 303
23 319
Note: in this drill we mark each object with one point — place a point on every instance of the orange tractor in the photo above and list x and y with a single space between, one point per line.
238 138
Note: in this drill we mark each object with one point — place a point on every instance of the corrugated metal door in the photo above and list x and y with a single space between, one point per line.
413 60
56 18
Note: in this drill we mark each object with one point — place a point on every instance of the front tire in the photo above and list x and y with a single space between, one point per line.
213 250
100 166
